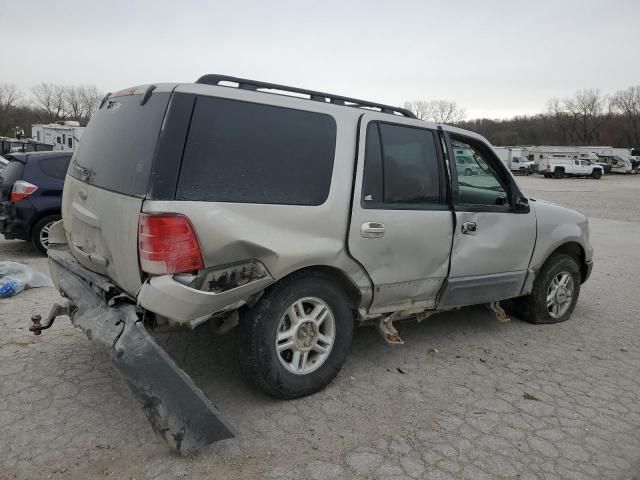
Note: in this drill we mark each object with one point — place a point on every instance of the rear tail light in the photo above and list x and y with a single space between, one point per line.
548 167
167 243
21 190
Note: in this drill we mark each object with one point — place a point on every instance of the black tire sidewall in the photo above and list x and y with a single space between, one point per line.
555 264
259 327
35 232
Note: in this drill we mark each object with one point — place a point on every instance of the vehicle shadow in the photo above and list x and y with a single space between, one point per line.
214 362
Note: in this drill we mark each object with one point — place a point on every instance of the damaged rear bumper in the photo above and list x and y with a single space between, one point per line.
176 408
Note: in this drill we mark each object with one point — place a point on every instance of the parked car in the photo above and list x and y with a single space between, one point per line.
467 165
31 195
3 163
293 218
567 167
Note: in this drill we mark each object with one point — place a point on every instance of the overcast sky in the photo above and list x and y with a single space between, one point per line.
495 58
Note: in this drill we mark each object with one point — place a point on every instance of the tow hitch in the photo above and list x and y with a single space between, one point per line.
57 310
177 409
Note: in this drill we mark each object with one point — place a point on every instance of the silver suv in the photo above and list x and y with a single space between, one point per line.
294 215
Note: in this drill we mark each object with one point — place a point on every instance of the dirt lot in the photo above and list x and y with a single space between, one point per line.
465 397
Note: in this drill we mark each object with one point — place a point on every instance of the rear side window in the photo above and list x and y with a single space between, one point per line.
117 148
401 166
251 153
54 167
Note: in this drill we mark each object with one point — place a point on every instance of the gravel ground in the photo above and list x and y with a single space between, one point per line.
465 397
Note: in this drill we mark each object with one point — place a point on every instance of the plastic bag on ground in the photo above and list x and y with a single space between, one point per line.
15 277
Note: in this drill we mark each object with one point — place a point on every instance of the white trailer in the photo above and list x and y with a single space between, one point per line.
61 136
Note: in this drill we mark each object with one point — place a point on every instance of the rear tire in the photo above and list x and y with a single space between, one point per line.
597 174
283 338
558 174
555 292
468 172
40 232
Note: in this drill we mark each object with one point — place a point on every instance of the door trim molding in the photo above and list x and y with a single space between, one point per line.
473 290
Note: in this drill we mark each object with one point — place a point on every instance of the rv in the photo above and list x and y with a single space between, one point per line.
63 135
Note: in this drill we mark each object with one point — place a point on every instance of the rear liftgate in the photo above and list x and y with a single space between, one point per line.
178 410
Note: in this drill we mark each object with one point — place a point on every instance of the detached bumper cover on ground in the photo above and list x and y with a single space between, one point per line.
177 409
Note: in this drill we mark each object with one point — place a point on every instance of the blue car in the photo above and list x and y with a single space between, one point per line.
31 195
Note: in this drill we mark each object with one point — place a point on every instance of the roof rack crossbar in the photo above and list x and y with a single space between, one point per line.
255 85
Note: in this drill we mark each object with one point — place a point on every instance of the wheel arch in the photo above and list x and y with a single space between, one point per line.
41 215
576 251
340 277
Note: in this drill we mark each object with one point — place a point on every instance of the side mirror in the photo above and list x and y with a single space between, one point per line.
521 205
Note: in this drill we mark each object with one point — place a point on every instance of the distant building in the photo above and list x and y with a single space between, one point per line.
61 136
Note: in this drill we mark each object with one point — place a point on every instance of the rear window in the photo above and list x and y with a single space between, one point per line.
251 153
55 167
116 150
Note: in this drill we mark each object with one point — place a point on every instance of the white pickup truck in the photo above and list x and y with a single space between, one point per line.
569 167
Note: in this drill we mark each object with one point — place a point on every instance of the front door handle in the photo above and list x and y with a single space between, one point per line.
372 230
469 228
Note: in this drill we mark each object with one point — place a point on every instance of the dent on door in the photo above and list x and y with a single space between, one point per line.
490 257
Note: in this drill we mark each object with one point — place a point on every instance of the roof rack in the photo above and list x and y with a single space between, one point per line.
254 85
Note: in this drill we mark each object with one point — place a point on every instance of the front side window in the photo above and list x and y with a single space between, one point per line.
401 166
245 152
478 181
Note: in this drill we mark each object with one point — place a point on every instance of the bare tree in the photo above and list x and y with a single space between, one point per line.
627 103
589 111
90 98
9 96
50 98
420 108
559 119
438 111
73 102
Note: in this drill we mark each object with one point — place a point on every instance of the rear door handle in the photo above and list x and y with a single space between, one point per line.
372 230
469 228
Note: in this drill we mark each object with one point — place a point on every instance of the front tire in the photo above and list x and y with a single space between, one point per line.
297 337
555 292
40 232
